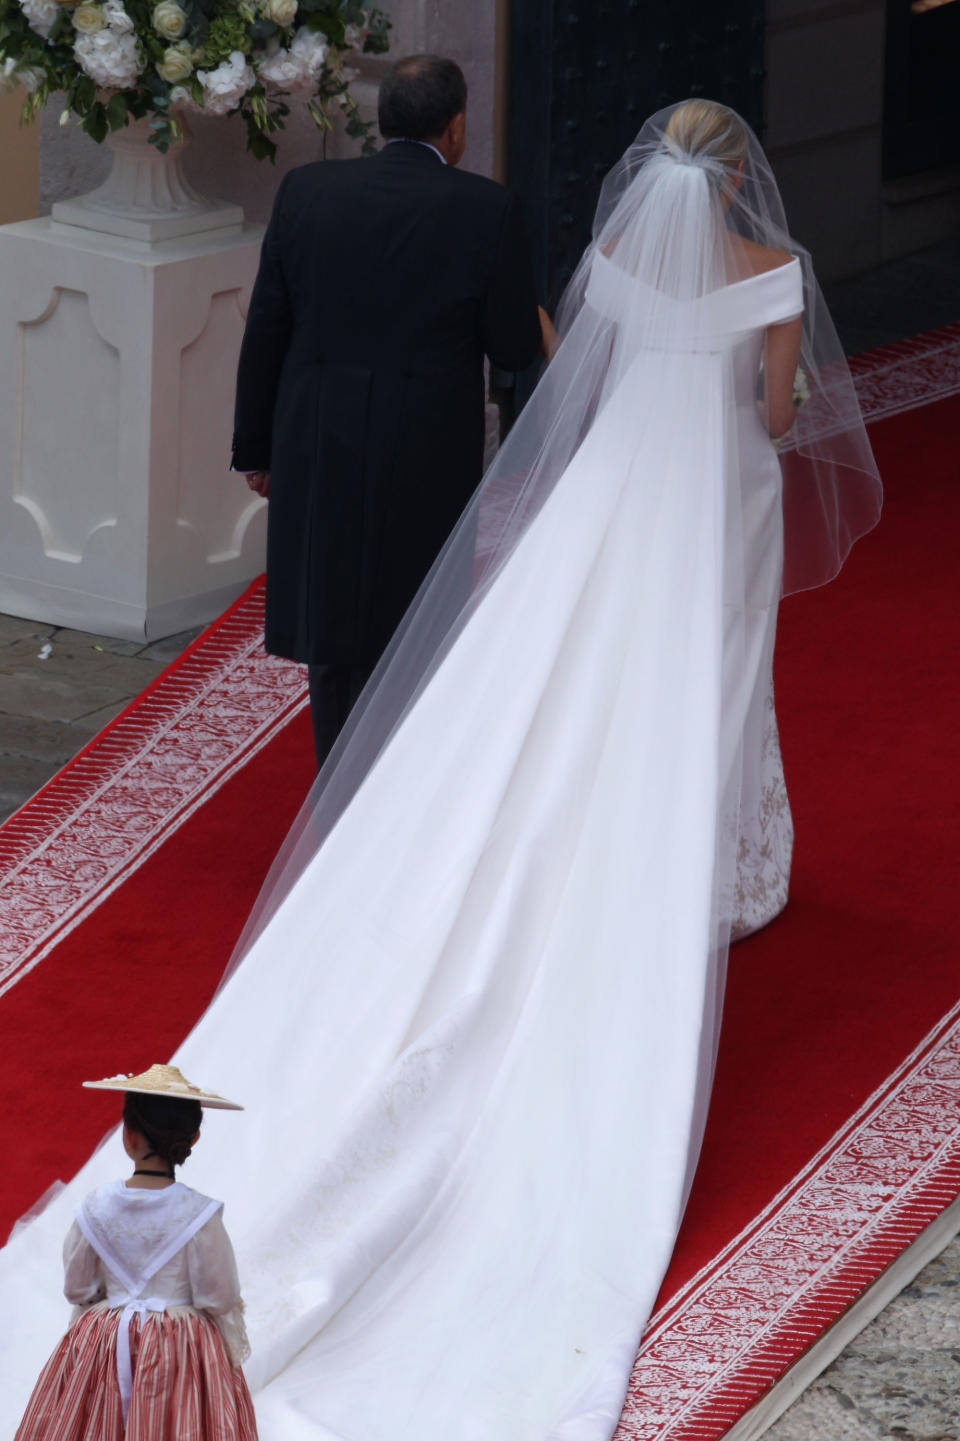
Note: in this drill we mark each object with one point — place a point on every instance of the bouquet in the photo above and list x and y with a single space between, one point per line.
118 60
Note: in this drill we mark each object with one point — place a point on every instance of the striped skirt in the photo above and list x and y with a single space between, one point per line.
184 1385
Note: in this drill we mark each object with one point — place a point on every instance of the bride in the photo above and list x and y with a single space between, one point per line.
475 1013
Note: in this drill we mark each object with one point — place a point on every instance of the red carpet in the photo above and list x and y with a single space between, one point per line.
830 1144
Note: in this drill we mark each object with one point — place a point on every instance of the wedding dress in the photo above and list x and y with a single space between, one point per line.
475 1029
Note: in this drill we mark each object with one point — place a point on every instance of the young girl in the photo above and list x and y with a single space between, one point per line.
157 1340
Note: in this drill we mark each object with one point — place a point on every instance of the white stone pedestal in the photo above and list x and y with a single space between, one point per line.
118 511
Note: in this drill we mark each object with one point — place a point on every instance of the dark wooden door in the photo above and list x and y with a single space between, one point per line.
585 74
921 122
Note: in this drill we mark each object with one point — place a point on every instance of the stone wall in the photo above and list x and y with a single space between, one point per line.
18 161
217 162
824 135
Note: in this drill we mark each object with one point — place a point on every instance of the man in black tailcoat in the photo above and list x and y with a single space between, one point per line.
360 400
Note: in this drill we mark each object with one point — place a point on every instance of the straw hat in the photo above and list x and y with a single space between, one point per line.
164 1081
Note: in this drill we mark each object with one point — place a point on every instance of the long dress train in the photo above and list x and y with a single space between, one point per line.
475 1040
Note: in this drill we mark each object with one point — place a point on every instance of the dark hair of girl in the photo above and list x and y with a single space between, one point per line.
419 96
167 1123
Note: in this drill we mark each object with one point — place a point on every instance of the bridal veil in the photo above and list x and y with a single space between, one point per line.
666 214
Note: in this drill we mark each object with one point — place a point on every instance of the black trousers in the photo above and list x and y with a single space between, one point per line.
333 693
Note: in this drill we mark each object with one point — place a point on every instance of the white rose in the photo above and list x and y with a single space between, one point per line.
281 12
117 17
40 15
88 19
355 35
177 63
112 61
169 20
225 87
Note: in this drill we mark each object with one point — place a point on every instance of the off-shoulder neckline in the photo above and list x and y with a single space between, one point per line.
731 285
759 274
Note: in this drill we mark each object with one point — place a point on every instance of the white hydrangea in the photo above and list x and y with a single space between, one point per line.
283 71
27 76
225 87
117 17
310 48
111 59
297 69
286 72
40 15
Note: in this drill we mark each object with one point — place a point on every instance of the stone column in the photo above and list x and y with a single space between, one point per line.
118 513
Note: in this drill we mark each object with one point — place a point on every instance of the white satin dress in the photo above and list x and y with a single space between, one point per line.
475 1041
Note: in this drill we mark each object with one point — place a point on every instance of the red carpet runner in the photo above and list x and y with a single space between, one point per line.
833 1137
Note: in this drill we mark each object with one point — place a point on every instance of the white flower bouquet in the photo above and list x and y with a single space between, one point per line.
118 60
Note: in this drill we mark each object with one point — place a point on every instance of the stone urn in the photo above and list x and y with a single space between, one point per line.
146 196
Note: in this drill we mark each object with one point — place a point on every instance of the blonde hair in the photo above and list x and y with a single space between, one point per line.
702 127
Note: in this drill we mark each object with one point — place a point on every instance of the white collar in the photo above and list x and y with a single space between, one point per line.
401 140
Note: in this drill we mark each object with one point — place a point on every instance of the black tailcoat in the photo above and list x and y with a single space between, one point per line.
382 285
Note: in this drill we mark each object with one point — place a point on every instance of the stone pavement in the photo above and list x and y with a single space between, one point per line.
57 689
900 1378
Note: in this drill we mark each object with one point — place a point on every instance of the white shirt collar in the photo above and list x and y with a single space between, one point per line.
400 140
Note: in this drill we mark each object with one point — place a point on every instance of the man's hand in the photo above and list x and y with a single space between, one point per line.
258 481
549 338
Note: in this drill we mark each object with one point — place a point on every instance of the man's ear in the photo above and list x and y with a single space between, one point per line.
457 134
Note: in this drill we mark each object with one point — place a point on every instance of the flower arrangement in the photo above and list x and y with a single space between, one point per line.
801 388
119 60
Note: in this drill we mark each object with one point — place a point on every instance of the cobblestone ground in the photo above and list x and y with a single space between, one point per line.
899 1380
57 689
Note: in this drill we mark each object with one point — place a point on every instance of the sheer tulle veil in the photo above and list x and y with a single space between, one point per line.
672 213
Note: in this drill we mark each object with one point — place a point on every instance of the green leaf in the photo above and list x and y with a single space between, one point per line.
84 94
260 147
95 123
319 23
61 25
320 118
377 41
117 112
159 89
